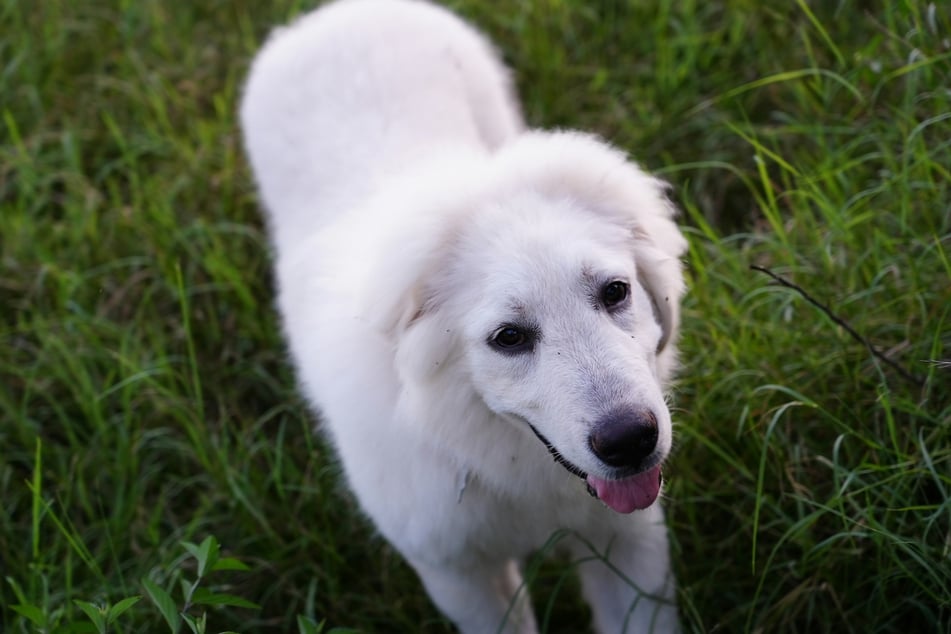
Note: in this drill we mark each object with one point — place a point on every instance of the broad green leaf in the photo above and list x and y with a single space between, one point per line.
164 603
188 589
18 591
190 622
205 553
210 548
191 548
230 563
120 607
307 625
95 613
197 626
31 612
204 596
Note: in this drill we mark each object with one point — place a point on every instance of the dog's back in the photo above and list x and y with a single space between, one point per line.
350 94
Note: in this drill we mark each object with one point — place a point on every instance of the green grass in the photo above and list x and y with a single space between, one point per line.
145 397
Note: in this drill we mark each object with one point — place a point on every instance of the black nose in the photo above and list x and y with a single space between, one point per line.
624 438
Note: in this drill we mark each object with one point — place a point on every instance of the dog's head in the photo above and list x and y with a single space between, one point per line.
555 290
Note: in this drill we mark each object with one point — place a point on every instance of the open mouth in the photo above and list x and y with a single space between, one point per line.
624 495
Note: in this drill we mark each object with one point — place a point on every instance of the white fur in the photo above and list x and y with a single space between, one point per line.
411 216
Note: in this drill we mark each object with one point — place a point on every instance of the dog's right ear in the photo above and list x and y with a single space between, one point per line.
660 275
406 308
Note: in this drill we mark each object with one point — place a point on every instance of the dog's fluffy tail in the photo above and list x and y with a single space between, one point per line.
350 94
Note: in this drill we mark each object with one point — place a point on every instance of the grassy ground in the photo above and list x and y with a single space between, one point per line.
145 399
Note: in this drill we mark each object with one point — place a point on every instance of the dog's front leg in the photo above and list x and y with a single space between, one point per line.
626 577
482 599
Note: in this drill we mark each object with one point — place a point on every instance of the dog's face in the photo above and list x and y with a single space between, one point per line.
559 331
549 282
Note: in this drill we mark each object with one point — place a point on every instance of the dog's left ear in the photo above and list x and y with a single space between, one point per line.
660 275
658 247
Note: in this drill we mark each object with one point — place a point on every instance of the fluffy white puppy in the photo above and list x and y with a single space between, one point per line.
465 300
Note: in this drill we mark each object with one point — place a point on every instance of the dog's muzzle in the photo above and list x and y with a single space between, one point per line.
624 495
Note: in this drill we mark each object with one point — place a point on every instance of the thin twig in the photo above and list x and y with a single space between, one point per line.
841 322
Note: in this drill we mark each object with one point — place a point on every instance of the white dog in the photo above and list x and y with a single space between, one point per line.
465 301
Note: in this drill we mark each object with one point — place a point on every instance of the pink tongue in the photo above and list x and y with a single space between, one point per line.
628 494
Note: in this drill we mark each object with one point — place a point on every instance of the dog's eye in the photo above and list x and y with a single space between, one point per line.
512 339
614 293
